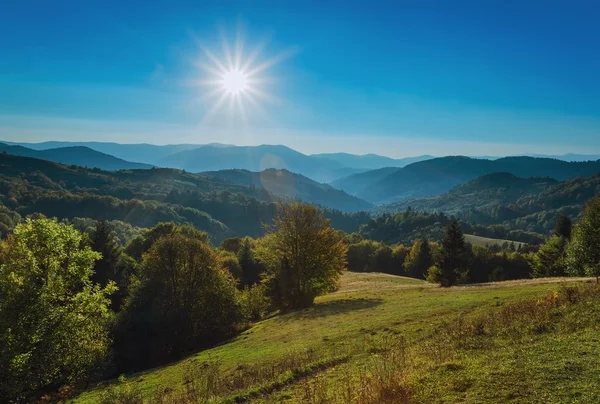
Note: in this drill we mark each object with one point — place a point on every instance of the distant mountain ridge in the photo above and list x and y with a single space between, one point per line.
370 161
253 158
75 155
480 193
294 186
439 175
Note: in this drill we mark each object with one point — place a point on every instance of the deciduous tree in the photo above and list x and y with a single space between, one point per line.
53 319
303 254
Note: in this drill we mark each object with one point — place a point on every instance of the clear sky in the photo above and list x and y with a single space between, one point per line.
397 78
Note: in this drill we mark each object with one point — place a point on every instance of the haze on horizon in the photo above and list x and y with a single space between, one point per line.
413 78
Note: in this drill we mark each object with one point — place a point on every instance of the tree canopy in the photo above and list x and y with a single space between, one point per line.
53 319
304 255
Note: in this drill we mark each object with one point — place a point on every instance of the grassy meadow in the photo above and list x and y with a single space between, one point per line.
389 339
487 242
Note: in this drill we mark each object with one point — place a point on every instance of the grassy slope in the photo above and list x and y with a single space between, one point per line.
353 320
486 241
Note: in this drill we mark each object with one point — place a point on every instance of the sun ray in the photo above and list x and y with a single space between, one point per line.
235 82
215 108
239 49
271 62
222 68
227 50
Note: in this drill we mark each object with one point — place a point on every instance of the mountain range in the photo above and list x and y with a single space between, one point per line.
294 186
75 155
439 175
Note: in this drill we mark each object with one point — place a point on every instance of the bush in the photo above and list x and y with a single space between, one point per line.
255 301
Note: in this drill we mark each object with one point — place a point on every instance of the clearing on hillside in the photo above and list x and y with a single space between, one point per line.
382 338
486 241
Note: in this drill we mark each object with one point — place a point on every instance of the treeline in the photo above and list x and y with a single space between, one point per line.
568 251
76 306
410 225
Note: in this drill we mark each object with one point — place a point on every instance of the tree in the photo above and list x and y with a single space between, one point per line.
418 261
182 301
550 258
583 252
563 227
305 257
104 242
453 259
53 319
250 268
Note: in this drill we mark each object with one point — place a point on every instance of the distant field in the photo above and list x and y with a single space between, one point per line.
486 241
324 353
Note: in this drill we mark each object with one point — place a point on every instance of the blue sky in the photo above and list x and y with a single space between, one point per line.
396 78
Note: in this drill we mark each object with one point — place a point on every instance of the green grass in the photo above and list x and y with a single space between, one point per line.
486 241
346 331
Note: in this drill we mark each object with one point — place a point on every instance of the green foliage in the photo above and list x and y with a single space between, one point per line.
550 258
53 319
231 244
183 300
104 241
254 301
563 227
8 220
250 268
453 261
229 261
419 259
303 255
583 253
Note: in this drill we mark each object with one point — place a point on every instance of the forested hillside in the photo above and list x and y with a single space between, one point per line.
527 204
146 197
438 175
294 186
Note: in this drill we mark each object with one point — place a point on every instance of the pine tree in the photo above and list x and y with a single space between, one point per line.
563 227
104 242
453 256
550 258
248 263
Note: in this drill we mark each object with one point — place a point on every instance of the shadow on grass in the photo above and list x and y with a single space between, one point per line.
341 306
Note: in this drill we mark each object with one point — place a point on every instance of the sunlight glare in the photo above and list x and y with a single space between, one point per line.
236 77
234 81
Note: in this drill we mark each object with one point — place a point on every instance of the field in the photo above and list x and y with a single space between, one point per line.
486 241
382 338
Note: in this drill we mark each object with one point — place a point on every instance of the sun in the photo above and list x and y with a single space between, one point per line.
236 78
234 82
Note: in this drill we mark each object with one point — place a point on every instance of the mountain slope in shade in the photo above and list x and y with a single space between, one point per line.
482 192
370 161
294 186
356 184
253 158
435 176
75 155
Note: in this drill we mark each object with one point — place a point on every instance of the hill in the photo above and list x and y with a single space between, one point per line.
253 158
483 192
294 186
356 184
438 175
75 155
145 197
383 334
370 161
